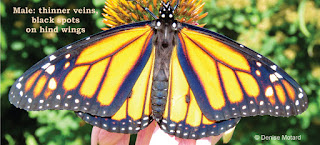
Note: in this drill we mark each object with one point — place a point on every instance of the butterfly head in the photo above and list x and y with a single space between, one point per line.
166 17
166 12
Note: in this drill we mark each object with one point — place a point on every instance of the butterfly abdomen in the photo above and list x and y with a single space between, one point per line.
160 78
158 97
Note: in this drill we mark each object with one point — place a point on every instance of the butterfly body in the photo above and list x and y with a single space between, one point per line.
193 82
165 29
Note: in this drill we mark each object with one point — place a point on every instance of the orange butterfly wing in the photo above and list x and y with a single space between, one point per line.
182 116
229 80
135 112
95 75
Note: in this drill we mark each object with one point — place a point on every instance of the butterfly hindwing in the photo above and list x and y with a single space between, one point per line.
230 80
135 113
92 75
182 116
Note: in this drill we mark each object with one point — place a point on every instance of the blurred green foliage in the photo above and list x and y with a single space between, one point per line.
287 32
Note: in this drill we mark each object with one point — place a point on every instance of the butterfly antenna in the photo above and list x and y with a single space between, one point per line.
174 8
163 3
177 4
145 8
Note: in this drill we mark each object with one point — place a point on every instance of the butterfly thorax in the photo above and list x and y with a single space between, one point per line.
165 29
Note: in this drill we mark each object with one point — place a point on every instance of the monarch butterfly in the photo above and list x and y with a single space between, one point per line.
194 82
